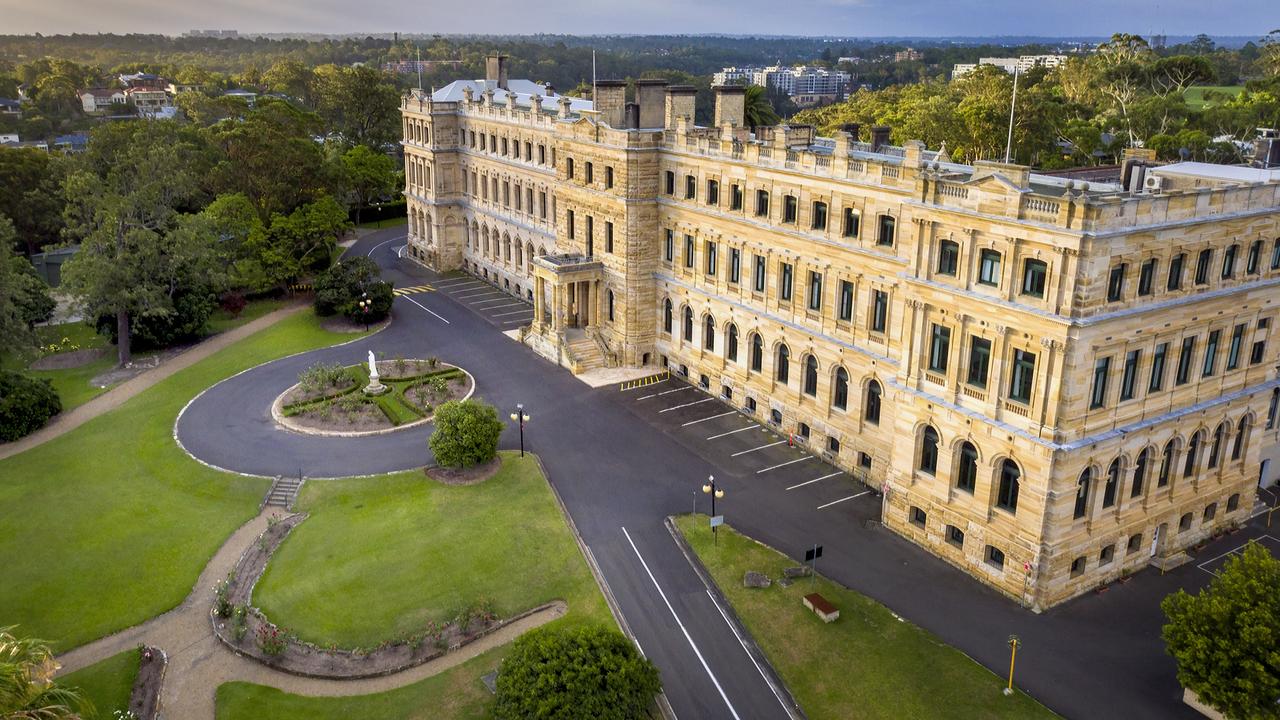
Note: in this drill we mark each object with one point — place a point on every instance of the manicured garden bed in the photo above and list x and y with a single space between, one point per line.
331 399
868 664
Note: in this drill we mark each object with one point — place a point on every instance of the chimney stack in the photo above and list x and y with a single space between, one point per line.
495 71
651 94
680 104
731 105
852 129
610 100
879 137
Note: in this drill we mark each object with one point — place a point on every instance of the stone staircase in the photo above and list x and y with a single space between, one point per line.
584 353
283 492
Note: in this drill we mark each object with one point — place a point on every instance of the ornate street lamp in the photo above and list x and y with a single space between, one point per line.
715 492
519 416
365 305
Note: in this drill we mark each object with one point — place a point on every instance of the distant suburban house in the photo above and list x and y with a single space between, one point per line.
11 107
6 138
147 80
96 100
11 141
176 88
73 142
146 99
248 96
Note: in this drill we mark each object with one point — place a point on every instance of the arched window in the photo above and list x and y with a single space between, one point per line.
1007 498
666 316
1193 450
967 468
1113 484
757 352
1215 449
709 333
1237 448
929 450
840 393
519 253
872 413
1140 472
811 376
1166 463
1082 493
688 324
731 343
783 369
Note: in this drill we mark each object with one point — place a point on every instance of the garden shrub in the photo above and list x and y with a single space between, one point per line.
340 288
466 433
192 307
26 404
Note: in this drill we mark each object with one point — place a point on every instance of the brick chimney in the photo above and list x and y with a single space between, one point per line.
680 104
610 100
852 129
879 137
731 105
651 94
495 71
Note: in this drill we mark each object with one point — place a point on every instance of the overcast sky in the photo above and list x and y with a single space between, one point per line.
797 17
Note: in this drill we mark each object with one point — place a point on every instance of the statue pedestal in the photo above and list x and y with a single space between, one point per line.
375 388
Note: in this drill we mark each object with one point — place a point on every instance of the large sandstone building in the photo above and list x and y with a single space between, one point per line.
1056 384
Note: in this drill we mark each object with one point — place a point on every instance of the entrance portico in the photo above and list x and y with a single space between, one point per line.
565 331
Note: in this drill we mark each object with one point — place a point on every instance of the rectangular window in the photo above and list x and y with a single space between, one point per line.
1233 351
989 268
948 257
879 311
1024 375
1101 368
1275 255
846 301
591 173
815 290
762 203
690 187
608 236
1185 356
688 251
789 208
1202 266
1258 351
819 216
939 348
542 154
1157 367
888 227
757 276
784 281
1128 380
669 247
735 265
670 183
504 147
711 249
568 167
542 204
850 228
713 192
979 361
1175 271
1146 276
1211 354
1115 283
1255 253
1034 273
608 177
1229 262
735 197
569 223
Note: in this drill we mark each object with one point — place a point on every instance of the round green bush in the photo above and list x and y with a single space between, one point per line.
340 289
26 404
466 433
590 672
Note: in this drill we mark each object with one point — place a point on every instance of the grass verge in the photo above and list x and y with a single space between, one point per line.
107 683
868 664
110 524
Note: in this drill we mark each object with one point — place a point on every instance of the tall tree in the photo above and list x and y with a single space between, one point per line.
360 105
33 196
368 175
290 77
758 110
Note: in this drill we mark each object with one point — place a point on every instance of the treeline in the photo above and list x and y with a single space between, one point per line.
1084 112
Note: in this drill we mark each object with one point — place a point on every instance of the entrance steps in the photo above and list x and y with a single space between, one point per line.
283 492
584 354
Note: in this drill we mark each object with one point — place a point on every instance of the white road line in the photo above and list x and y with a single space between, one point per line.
513 312
743 643
505 298
452 284
789 462
695 402
668 392
513 322
687 637
424 307
749 427
713 417
384 242
824 477
478 293
639 387
1233 551
744 452
512 304
833 502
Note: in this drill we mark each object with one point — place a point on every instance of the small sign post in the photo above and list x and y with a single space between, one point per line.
811 556
716 521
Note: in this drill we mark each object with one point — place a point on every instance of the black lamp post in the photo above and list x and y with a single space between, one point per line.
715 492
520 417
365 304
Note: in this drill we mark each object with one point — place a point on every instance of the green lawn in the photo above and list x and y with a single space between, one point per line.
110 524
386 223
1195 95
380 557
107 684
868 664
221 320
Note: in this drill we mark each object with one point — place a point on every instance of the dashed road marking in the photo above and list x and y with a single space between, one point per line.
401 292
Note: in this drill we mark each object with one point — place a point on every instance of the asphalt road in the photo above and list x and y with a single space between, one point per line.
622 462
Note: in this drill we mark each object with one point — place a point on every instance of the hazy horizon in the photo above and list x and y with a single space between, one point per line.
862 18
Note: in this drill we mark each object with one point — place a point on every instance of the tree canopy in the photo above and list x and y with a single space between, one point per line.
466 433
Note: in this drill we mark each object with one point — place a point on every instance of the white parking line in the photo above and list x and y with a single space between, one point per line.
833 502
513 312
749 427
744 452
457 284
499 307
687 637
695 402
424 307
505 298
789 462
1233 551
824 477
665 392
514 322
713 417
477 293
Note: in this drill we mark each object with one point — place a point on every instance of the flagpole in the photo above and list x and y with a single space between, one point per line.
593 79
419 68
1008 147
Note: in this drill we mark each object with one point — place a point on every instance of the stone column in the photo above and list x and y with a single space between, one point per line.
538 285
557 318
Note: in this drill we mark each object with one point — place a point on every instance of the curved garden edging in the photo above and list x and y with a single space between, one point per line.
305 659
144 699
277 414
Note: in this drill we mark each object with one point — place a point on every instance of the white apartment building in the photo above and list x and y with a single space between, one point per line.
1021 64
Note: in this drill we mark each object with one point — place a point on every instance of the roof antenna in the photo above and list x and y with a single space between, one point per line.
1008 147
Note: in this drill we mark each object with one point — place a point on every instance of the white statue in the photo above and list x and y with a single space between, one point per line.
373 369
374 387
